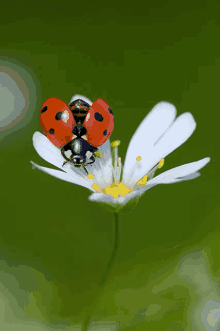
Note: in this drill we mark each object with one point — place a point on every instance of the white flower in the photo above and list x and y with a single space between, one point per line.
156 137
210 315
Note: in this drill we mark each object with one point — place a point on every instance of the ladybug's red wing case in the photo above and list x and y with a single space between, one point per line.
99 123
57 121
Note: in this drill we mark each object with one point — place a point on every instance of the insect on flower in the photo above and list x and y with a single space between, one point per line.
78 128
114 185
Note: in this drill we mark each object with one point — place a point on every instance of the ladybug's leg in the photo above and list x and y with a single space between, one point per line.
92 159
63 154
85 170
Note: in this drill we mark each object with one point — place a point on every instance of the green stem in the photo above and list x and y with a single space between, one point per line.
104 279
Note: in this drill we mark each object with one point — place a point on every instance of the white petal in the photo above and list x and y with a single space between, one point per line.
64 176
175 174
48 151
138 193
114 205
147 134
120 202
175 136
101 169
82 97
52 154
101 197
186 171
152 184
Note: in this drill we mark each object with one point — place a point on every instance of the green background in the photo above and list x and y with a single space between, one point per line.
54 242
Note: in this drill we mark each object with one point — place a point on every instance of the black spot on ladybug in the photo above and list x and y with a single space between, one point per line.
51 131
59 116
98 117
43 109
110 111
105 133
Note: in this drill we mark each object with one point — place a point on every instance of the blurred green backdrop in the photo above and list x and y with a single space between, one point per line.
167 272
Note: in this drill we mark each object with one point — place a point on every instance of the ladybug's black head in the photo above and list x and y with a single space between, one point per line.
78 149
78 152
78 160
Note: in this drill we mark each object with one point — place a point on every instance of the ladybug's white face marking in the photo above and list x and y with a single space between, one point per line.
74 136
65 116
87 117
88 154
68 153
84 137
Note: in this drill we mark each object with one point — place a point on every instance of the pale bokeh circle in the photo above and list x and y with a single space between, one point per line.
16 86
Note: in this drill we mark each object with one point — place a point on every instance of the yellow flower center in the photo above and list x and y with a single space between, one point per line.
116 190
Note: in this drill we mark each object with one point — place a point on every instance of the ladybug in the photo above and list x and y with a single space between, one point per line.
78 129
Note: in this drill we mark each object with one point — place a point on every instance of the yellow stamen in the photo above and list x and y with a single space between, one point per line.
90 176
98 154
116 190
115 143
96 187
138 158
143 180
160 164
